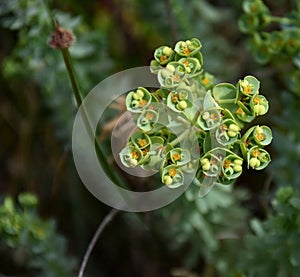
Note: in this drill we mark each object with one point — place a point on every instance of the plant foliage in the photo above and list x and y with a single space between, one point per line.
37 247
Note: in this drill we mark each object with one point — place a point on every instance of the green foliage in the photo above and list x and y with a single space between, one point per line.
267 45
287 143
31 56
35 242
200 234
280 44
206 229
274 248
276 43
206 112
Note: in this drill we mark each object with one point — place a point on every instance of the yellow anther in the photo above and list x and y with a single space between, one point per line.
172 172
176 157
142 142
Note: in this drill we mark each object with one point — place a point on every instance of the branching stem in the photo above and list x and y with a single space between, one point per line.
179 138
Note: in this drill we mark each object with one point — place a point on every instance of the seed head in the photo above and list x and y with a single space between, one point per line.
61 38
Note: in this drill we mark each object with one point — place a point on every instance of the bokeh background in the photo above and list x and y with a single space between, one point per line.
47 216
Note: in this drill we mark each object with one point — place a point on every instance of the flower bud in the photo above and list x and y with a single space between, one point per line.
204 161
237 168
259 109
205 115
168 180
170 68
135 96
206 166
182 105
259 130
140 93
167 51
238 162
133 163
234 127
231 133
254 162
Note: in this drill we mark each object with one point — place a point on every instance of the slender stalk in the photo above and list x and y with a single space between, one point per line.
71 73
101 157
78 96
179 138
283 20
108 218
195 117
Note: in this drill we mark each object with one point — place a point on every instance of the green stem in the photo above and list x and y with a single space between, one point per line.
71 73
179 138
283 20
78 96
195 117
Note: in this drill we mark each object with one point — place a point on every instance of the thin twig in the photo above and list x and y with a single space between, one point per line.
95 238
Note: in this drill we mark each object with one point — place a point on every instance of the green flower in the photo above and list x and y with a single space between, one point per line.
259 105
178 156
210 119
156 154
172 176
255 136
180 99
138 100
248 23
188 47
140 140
249 86
262 135
258 158
172 75
131 156
192 65
207 80
256 16
261 49
277 41
147 120
242 115
228 132
232 166
216 112
163 55
210 164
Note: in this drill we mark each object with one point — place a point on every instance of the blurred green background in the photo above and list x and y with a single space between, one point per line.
220 235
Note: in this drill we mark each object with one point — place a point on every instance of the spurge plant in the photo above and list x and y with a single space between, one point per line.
192 127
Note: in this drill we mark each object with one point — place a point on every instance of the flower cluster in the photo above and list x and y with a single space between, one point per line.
281 42
191 126
274 39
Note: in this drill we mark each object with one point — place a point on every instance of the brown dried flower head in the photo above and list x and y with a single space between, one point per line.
61 38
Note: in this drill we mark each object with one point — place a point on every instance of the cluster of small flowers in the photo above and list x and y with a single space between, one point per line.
281 42
191 125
